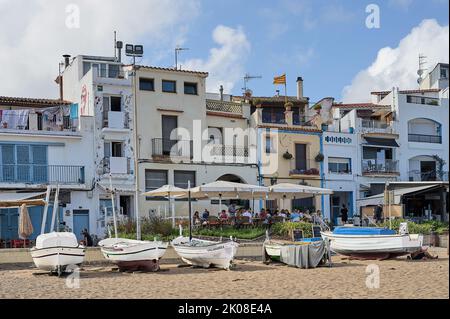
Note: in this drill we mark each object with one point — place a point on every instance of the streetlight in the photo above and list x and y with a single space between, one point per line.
135 51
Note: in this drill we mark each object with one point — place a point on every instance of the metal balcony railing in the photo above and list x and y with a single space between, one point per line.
429 176
421 138
304 167
42 174
167 148
373 166
229 150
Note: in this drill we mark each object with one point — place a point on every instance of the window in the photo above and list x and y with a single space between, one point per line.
114 70
155 179
444 73
169 86
86 67
146 84
339 165
421 100
190 88
181 178
116 104
113 149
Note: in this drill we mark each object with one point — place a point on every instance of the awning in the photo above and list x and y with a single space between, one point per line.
13 200
398 193
375 141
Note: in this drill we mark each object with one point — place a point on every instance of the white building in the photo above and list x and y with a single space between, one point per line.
46 142
103 91
402 135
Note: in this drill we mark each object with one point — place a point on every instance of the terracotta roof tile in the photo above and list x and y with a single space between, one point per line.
205 74
31 102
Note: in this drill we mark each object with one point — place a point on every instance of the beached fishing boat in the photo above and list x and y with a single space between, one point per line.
131 254
205 253
372 242
56 251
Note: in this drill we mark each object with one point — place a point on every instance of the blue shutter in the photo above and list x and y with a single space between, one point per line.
7 163
23 167
40 167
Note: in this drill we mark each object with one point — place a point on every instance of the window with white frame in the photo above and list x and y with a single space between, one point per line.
339 165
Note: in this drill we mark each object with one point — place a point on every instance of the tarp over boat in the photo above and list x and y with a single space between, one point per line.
303 256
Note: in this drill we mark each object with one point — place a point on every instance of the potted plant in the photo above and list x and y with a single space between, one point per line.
287 155
317 108
319 157
289 106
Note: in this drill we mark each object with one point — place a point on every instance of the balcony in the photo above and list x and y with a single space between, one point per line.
422 138
30 122
115 120
117 165
41 174
304 167
373 126
166 148
377 167
430 176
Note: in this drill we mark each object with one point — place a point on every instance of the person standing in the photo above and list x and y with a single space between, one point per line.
344 214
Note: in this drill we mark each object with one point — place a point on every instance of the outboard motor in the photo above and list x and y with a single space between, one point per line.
403 230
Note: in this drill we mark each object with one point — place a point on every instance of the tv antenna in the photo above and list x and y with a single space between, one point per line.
178 49
247 78
422 69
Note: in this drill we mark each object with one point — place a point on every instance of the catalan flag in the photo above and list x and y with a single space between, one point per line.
280 79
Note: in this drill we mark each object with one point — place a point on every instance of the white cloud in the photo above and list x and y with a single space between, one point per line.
225 63
398 66
34 35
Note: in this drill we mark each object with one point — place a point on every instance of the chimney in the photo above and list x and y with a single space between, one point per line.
66 60
299 88
119 46
221 92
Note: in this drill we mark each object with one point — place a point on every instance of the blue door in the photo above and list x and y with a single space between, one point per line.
9 224
80 222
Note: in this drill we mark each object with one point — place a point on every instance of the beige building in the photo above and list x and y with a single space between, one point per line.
289 145
185 137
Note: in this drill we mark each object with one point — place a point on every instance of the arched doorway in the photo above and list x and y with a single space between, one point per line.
231 178
238 202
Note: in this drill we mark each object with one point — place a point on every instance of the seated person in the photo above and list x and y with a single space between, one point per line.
196 218
295 216
205 215
248 214
223 215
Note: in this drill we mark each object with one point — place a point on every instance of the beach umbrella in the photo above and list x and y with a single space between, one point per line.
286 190
168 191
25 225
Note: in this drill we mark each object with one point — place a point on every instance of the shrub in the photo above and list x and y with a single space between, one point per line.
284 229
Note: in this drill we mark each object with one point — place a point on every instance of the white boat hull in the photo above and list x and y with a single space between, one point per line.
57 258
209 253
128 253
373 245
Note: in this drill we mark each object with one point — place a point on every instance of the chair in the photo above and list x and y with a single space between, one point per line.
213 221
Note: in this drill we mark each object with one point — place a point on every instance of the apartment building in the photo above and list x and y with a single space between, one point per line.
186 137
45 142
102 90
289 145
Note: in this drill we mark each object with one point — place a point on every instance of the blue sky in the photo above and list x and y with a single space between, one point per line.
327 54
325 42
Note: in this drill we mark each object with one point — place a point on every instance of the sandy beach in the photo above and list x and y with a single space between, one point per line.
400 278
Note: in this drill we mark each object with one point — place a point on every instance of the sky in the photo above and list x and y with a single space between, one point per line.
327 43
